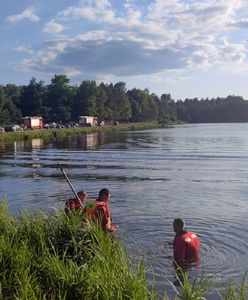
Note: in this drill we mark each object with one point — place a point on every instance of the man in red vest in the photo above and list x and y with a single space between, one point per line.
76 204
185 245
186 249
99 209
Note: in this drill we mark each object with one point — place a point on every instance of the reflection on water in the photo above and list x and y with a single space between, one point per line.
197 172
37 143
83 142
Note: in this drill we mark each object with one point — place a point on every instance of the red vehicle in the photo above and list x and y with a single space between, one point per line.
35 122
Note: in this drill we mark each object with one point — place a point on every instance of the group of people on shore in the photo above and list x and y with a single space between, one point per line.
186 244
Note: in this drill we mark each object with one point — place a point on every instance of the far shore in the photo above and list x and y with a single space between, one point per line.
62 132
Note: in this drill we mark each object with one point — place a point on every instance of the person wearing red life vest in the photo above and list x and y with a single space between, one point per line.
76 204
99 209
186 250
185 245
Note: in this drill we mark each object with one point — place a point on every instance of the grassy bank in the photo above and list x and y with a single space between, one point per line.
58 257
51 133
53 256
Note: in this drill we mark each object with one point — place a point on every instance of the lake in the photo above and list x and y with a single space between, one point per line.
198 172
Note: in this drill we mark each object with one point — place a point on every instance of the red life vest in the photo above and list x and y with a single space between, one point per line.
92 208
186 247
99 210
73 204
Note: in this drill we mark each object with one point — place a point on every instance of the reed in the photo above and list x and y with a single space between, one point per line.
193 290
237 291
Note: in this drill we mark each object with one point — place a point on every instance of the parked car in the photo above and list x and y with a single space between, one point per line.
51 125
13 128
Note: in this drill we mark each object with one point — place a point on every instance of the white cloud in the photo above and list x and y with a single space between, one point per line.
28 64
156 78
243 23
165 35
53 27
28 13
233 52
110 55
71 72
26 49
177 79
77 12
105 78
50 51
95 10
210 16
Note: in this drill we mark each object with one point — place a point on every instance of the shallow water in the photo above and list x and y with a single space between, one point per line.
198 172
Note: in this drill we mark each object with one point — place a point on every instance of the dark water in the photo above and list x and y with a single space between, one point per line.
198 172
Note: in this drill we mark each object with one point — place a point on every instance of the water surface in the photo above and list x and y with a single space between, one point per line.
197 172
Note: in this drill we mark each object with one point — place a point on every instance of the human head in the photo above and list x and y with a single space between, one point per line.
82 195
178 225
104 194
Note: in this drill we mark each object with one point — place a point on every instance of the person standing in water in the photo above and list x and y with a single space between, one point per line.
186 247
76 204
99 209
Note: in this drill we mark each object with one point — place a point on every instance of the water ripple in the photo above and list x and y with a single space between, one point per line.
197 172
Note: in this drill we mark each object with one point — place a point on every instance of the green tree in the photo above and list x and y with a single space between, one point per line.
59 99
109 102
32 98
144 106
13 94
4 114
182 111
8 110
101 109
167 109
89 100
122 107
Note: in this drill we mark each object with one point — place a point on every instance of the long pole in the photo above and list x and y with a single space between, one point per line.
67 179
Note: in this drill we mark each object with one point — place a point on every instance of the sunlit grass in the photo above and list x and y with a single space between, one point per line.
56 256
59 257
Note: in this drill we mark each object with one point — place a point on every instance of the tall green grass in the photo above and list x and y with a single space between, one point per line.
61 257
237 291
56 256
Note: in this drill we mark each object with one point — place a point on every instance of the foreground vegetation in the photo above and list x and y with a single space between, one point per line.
62 132
57 256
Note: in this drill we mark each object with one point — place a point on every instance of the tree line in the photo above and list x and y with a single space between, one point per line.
61 101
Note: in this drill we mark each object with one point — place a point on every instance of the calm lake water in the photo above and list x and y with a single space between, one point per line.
198 172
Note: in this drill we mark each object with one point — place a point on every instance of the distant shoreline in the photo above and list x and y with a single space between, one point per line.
7 137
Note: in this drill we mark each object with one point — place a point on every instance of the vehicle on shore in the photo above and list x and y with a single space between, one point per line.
13 128
34 122
88 121
51 125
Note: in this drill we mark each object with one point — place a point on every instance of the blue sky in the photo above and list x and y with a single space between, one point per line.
183 47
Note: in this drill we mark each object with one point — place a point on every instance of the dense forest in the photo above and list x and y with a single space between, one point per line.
61 101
